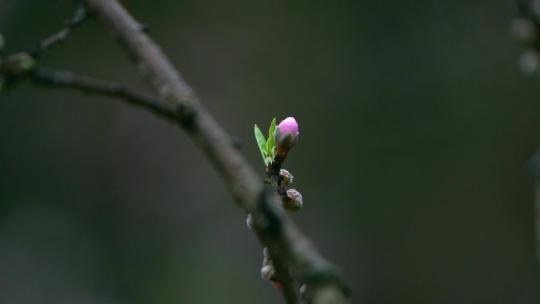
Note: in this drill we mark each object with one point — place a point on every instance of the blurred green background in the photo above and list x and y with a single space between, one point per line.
416 126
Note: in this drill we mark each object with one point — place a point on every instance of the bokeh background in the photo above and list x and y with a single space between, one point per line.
416 126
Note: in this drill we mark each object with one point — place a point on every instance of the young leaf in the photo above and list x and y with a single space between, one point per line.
261 142
271 142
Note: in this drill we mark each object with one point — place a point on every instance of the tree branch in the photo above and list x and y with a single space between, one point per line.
289 249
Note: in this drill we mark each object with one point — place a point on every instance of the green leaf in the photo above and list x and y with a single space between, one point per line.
271 142
261 142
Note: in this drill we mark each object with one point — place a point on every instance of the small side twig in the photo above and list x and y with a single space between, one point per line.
69 80
59 37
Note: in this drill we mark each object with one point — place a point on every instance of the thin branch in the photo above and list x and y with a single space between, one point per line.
66 79
59 37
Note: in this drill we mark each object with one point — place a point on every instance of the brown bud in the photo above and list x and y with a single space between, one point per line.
292 200
286 178
267 271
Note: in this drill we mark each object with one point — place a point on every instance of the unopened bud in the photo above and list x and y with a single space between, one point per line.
303 291
286 137
268 272
249 221
286 177
266 253
292 200
20 63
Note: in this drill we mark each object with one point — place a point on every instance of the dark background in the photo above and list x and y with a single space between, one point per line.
416 125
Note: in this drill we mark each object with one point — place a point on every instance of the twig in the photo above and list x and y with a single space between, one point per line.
66 79
290 286
274 229
60 36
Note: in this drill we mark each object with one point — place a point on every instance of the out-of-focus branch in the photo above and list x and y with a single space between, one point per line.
534 169
60 36
274 229
51 78
16 66
527 29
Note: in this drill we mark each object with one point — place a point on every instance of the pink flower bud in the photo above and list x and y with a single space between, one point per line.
289 126
286 137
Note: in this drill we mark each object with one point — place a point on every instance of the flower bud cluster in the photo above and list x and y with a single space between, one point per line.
291 198
285 138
